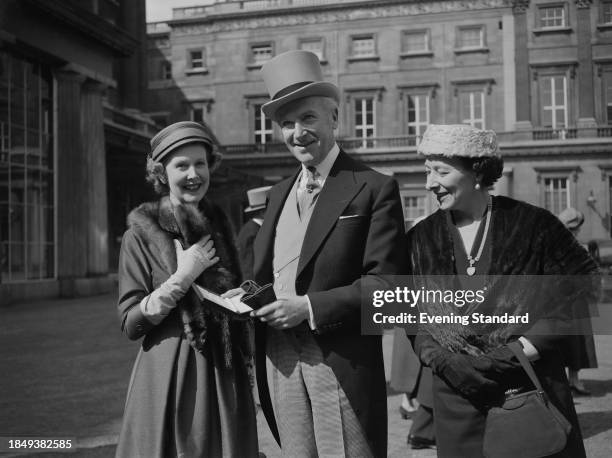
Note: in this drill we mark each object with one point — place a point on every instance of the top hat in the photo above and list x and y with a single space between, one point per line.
571 218
293 75
257 198
458 140
178 134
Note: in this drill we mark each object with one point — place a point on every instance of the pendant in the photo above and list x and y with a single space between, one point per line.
471 271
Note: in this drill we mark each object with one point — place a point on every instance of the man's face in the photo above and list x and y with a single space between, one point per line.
308 127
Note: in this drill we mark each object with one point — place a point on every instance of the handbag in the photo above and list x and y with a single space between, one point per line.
526 425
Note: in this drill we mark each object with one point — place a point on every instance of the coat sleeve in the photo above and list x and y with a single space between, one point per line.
135 283
574 271
383 254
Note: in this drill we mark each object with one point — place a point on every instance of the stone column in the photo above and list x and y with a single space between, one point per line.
94 159
521 60
586 95
71 180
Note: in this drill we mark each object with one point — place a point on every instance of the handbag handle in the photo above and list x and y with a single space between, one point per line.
516 348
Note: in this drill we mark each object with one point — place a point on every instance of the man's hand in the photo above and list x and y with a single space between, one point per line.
284 313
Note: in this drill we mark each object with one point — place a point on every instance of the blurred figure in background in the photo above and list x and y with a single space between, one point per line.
257 207
580 353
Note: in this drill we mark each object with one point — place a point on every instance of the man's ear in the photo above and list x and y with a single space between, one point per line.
334 115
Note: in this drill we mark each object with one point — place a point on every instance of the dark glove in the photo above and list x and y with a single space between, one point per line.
464 373
505 368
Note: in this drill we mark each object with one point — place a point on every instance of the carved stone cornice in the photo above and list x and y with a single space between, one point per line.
520 6
287 18
583 4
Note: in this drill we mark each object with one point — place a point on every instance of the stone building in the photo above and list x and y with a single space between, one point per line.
539 72
72 141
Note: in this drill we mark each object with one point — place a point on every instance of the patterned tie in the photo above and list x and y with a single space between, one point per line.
309 191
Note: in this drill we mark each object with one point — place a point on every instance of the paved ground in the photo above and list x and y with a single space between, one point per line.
66 366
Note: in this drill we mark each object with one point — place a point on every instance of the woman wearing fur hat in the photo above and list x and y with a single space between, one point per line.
494 243
189 394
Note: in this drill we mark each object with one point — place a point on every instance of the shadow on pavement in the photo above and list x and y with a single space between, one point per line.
598 388
593 423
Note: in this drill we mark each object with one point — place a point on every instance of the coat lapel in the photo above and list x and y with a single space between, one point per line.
339 189
264 242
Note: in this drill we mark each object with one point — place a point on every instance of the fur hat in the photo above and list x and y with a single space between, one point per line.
571 218
458 140
293 75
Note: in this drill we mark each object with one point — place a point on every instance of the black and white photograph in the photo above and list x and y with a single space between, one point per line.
306 228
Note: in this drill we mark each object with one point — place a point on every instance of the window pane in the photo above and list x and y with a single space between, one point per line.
415 41
363 46
552 16
261 53
314 46
606 13
470 38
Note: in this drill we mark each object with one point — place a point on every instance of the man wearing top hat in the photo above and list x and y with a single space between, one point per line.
244 242
331 225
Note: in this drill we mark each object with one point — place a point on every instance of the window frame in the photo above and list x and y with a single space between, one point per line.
566 172
460 48
321 40
538 29
413 192
427 51
200 70
252 63
352 57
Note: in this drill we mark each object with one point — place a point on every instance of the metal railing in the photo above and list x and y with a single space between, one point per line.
410 142
132 121
248 5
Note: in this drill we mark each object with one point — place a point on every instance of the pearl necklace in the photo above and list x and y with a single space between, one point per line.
471 270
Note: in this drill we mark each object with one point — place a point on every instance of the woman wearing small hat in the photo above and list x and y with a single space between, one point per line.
189 394
479 237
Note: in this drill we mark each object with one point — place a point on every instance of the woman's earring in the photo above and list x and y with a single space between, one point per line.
477 186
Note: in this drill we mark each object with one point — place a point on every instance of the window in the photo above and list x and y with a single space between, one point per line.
363 46
197 60
472 108
197 114
556 194
315 46
263 126
471 37
606 12
27 213
166 70
552 16
607 90
414 208
261 53
365 115
553 101
415 41
417 106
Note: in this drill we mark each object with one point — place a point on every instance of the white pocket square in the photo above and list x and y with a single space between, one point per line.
349 216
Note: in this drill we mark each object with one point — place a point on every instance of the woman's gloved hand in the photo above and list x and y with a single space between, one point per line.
467 374
190 263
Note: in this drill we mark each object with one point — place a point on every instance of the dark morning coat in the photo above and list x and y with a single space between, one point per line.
525 240
335 254
244 243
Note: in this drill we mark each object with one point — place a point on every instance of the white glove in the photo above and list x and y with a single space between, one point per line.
190 264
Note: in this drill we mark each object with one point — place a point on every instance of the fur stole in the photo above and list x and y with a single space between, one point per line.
159 223
525 241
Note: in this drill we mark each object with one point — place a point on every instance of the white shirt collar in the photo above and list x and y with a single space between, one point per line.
325 166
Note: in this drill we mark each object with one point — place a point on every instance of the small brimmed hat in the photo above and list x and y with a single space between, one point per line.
458 140
293 75
178 134
571 218
257 198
